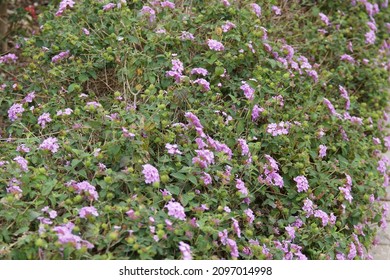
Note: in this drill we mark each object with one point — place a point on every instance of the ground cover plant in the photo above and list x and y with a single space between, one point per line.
196 129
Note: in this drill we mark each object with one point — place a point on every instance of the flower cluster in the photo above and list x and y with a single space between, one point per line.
150 173
61 56
302 183
65 236
85 189
50 144
176 210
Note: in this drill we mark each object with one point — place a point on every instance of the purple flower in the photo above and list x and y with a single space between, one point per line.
176 210
322 151
85 31
241 187
176 70
376 141
344 94
204 158
44 119
370 37
347 57
347 193
290 231
185 250
23 148
256 9
84 188
278 129
332 110
206 179
60 56
236 227
167 4
63 5
308 207
65 236
225 3
127 134
203 83
324 217
248 91
66 111
228 26
29 97
13 187
324 18
150 173
313 74
85 212
108 6
276 10
223 236
256 112
8 58
50 144
243 147
193 120
172 149
146 10
15 111
352 251
302 183
249 215
215 45
187 36
233 247
199 71
22 163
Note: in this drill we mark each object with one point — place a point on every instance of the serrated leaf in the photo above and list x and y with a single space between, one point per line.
186 198
174 190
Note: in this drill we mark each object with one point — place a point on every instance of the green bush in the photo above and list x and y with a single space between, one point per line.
204 131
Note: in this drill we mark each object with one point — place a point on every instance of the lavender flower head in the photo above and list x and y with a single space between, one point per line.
109 6
151 174
248 91
60 56
22 163
256 9
50 144
324 18
185 250
322 151
8 58
88 211
63 5
302 183
44 119
146 10
15 111
215 45
176 210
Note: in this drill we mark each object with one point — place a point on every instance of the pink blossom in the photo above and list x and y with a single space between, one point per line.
243 147
370 37
324 18
185 250
150 173
168 4
176 210
86 31
50 144
84 188
256 9
199 71
60 56
8 58
225 3
248 91
127 134
108 6
44 119
302 183
276 10
146 10
206 179
332 110
22 163
233 248
290 231
241 187
172 149
204 158
228 26
347 57
308 207
256 112
23 148
322 151
324 217
352 251
65 236
186 36
236 227
215 45
249 215
203 83
63 6
15 111
85 212
344 94
278 129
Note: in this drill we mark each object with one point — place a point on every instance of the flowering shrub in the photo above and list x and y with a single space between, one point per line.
214 129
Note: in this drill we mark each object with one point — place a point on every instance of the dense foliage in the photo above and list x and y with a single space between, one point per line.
215 129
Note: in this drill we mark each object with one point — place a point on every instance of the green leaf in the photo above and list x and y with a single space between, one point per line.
186 198
21 230
48 187
174 190
193 180
179 176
